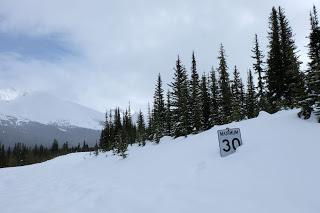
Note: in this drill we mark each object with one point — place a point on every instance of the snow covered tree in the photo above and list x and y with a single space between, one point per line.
158 111
180 101
195 103
312 100
224 87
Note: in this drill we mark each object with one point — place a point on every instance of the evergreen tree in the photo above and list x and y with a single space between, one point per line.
294 85
214 97
236 95
224 87
141 130
169 124
257 66
251 103
158 111
195 98
312 100
2 156
242 101
120 145
180 105
55 147
150 131
275 77
205 104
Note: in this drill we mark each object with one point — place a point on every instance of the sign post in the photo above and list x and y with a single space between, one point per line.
229 141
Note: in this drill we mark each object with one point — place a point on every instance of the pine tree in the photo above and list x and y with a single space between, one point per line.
236 95
195 98
141 130
158 111
242 101
205 104
150 128
54 147
312 100
2 156
275 77
120 144
180 105
293 81
251 103
169 124
257 66
224 87
214 99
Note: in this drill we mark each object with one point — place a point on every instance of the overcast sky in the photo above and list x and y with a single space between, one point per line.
105 53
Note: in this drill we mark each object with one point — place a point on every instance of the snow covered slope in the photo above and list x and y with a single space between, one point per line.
276 170
47 109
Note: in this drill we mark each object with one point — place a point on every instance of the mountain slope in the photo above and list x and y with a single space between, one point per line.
13 130
276 170
48 109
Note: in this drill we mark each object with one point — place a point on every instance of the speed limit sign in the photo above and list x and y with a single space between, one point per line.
229 141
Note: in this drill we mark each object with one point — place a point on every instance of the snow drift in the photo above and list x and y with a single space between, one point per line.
275 170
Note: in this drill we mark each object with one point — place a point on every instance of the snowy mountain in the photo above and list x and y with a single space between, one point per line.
38 118
48 109
275 170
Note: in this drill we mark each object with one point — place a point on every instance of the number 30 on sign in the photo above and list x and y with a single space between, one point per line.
229 141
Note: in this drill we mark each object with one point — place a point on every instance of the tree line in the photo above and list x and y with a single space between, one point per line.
196 103
21 154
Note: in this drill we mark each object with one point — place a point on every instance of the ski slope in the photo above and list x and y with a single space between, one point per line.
276 170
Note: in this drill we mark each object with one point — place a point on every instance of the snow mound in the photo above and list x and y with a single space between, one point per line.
276 170
263 114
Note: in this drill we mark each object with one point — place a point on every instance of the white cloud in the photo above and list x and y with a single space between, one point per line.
123 44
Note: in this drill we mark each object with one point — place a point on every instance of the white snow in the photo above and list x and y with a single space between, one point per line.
276 170
48 109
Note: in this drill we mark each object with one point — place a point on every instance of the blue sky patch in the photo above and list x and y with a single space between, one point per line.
50 47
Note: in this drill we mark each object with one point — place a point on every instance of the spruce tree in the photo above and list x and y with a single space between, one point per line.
251 103
150 129
180 101
293 81
195 98
205 104
158 111
141 130
236 95
224 87
258 68
312 100
242 101
168 115
275 77
214 99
